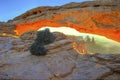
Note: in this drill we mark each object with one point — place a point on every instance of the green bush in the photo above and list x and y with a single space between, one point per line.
44 37
38 49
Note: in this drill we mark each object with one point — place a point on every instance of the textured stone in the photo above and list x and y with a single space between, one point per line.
19 64
59 36
97 17
61 66
30 35
113 77
88 70
114 67
64 64
109 58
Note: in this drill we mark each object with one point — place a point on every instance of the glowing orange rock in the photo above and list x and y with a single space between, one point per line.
21 28
80 47
102 23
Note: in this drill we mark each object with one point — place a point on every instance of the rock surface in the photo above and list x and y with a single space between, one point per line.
7 28
42 11
61 63
30 35
96 17
100 17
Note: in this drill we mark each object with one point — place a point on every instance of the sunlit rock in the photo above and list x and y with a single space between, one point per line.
64 59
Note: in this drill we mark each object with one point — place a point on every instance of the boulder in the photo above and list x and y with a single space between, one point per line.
30 35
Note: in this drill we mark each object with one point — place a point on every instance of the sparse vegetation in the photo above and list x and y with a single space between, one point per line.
38 49
44 37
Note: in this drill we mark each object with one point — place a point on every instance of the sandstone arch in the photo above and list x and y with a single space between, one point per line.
109 33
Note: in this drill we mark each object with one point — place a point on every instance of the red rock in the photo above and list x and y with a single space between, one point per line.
96 17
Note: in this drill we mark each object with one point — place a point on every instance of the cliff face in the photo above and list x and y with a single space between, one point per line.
100 17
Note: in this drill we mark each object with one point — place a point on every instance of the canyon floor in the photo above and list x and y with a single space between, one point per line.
62 62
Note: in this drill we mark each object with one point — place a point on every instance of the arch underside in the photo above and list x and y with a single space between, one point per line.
109 33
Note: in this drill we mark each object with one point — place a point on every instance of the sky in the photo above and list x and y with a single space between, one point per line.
12 8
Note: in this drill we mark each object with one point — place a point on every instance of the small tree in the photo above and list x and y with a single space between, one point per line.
44 37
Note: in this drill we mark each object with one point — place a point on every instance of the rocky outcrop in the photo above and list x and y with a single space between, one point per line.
7 28
96 17
41 11
62 62
30 35
59 36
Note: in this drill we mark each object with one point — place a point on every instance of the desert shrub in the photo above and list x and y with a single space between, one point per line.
44 37
38 49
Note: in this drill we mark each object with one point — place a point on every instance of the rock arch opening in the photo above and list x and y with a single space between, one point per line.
87 43
109 33
105 39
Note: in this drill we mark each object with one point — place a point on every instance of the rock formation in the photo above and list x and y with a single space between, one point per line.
7 28
62 62
100 17
97 17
